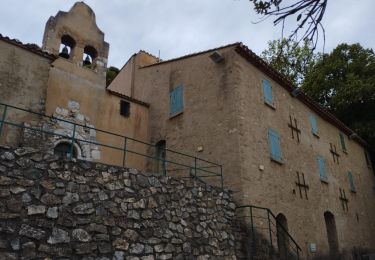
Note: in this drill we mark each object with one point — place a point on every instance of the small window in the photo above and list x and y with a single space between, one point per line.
322 169
267 92
176 99
274 145
351 182
342 141
314 126
124 108
64 150
368 159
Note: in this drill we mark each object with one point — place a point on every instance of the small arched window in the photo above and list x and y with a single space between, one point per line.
89 56
63 149
66 47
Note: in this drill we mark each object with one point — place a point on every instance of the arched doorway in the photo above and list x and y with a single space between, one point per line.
333 242
282 235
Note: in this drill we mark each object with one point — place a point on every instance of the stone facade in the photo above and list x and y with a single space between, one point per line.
225 119
56 209
86 150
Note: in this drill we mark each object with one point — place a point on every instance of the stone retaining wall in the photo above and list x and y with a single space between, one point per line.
56 209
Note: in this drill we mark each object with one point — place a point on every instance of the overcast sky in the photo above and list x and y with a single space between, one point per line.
180 27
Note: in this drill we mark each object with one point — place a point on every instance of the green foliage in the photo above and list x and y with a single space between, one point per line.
111 74
344 83
290 59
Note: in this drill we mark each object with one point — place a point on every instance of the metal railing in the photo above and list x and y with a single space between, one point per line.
163 160
262 225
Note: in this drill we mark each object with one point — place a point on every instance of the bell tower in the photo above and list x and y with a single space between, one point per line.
75 36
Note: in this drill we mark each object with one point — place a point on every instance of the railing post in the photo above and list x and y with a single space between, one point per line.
221 176
269 226
195 167
3 119
72 144
252 245
125 147
163 162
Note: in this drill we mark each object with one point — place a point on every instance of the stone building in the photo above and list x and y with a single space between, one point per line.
278 148
66 78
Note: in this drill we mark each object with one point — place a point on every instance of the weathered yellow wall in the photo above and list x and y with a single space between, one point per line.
23 83
124 80
102 108
207 120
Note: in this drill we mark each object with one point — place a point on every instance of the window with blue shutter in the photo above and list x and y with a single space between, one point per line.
274 145
176 100
314 126
351 182
267 92
342 141
322 169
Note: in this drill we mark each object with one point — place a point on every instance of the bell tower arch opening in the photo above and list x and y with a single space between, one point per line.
89 56
66 46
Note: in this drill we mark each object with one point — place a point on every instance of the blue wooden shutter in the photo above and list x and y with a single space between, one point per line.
322 168
314 126
267 92
342 141
351 182
274 145
177 100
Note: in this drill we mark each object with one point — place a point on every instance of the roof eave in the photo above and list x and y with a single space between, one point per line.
28 47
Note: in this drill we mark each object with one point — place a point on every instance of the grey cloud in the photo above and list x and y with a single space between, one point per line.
180 27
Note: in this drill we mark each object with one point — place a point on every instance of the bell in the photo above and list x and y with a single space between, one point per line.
87 61
64 53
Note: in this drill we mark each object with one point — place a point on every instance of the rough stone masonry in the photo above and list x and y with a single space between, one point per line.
52 208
